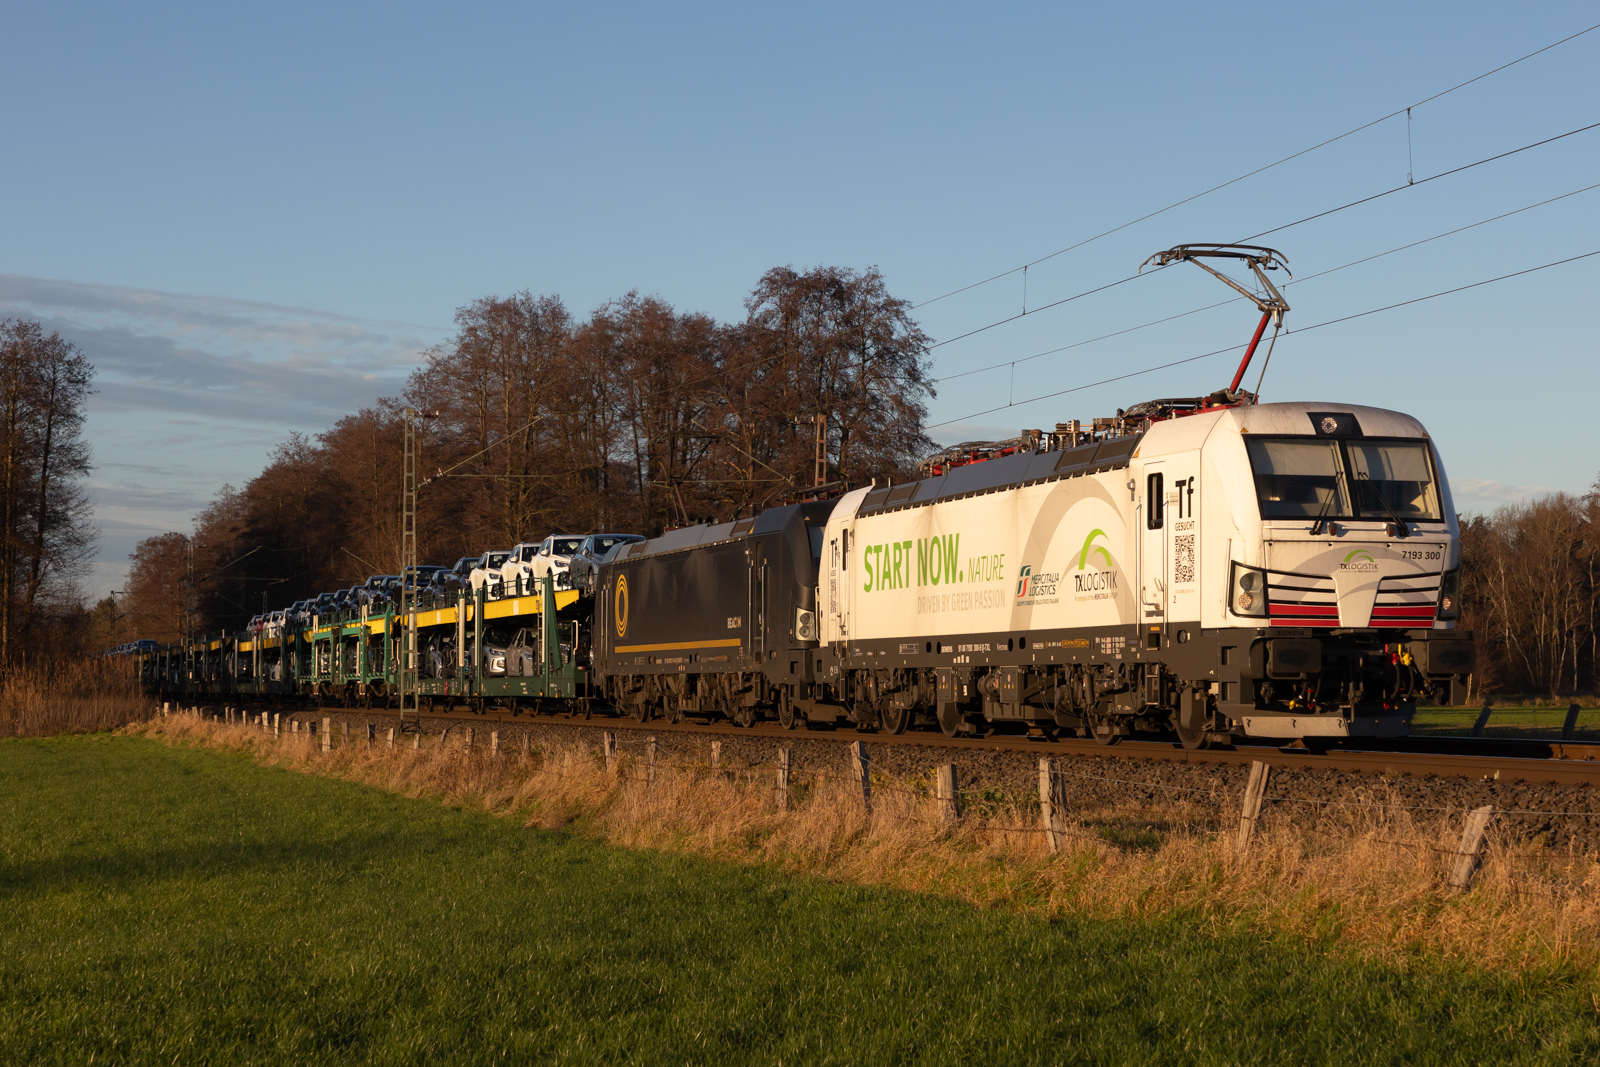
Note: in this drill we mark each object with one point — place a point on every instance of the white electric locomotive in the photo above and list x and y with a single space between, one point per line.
1275 570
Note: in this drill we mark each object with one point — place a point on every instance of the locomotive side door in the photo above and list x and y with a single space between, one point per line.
838 592
1183 530
1153 547
756 615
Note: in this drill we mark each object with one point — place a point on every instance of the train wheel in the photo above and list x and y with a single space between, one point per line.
1106 734
745 716
674 712
786 716
896 719
1192 739
950 720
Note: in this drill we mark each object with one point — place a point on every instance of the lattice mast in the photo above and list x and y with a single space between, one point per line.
406 620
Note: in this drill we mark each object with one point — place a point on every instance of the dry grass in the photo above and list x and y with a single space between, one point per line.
71 697
1370 881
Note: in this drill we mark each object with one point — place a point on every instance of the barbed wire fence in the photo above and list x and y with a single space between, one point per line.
640 761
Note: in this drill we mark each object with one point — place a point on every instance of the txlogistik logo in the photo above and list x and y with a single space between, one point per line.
1359 560
1095 582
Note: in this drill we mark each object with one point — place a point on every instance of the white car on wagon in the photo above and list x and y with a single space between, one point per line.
531 562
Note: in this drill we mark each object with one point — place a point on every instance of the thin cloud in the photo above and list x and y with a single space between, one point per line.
193 391
1488 494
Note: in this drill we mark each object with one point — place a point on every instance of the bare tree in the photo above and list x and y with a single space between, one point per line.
491 387
45 534
1529 589
833 342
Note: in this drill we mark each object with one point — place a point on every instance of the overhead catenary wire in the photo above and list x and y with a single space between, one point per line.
1275 229
1297 281
1420 181
1260 170
1235 348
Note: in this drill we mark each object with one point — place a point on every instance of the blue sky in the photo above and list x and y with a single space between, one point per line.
253 220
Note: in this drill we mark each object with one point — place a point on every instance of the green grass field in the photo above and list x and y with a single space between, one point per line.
1540 723
186 906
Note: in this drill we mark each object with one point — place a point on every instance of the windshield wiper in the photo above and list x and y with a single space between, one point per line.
1316 527
1401 530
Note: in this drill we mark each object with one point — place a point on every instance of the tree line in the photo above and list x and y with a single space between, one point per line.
1530 592
532 421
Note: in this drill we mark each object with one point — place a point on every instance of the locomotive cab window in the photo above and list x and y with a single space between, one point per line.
1393 478
1323 478
1155 502
1299 478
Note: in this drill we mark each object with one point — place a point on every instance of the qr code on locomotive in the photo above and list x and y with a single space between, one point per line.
1183 558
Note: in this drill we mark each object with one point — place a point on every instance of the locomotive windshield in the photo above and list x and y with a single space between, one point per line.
1312 478
1393 477
1298 479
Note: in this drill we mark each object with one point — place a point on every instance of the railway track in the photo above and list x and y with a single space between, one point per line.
1502 760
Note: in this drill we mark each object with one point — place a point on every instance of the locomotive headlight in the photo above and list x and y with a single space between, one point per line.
805 625
1450 595
1249 591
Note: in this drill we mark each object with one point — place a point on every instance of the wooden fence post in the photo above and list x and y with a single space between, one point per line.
1473 837
1253 791
650 760
610 742
783 779
391 737
861 765
1482 721
716 754
372 733
327 734
1571 723
416 739
494 742
344 731
470 732
949 795
277 723
527 745
1052 803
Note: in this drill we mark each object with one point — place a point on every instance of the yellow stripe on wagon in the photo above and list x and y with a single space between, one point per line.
495 609
676 646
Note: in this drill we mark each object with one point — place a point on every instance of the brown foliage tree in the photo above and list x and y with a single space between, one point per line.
157 591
